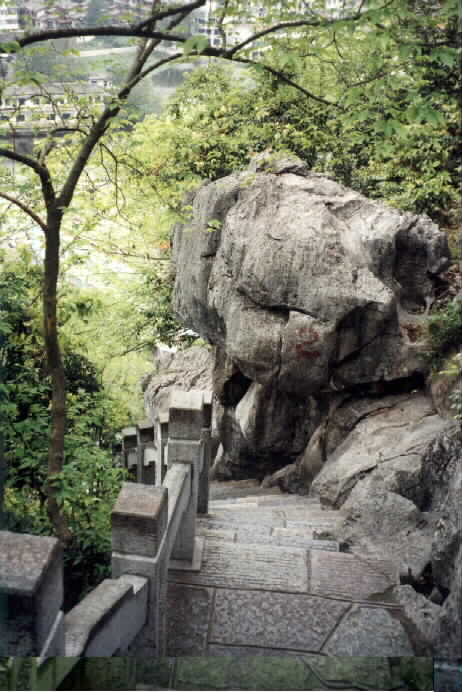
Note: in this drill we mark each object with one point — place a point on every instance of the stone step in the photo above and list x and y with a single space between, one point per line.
236 489
268 536
249 566
268 567
316 527
252 501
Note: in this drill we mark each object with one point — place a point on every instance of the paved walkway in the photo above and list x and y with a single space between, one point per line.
273 582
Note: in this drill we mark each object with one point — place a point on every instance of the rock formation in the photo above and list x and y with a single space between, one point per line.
314 298
310 293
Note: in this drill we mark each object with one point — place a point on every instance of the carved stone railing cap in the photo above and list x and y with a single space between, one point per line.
24 560
163 417
145 425
192 400
136 499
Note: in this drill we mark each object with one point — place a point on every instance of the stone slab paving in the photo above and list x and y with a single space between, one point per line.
306 542
353 577
369 632
189 611
273 619
255 597
242 566
272 517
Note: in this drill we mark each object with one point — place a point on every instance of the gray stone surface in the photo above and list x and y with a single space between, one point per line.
307 285
25 561
139 519
401 427
186 416
350 576
369 632
384 524
94 627
249 567
189 610
273 619
186 369
31 584
419 618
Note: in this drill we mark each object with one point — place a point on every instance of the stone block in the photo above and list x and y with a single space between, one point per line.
152 638
139 519
133 616
341 575
367 631
31 581
241 566
276 620
95 626
186 415
55 643
129 437
184 452
146 430
189 609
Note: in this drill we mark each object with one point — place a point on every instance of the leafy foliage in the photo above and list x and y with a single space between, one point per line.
89 483
444 329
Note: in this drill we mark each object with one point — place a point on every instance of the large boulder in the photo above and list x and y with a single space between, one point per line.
403 503
307 289
383 437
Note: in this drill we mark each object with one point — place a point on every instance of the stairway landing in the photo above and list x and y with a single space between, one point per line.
273 582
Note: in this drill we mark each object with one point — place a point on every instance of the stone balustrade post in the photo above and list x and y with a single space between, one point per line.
147 441
129 442
31 588
203 499
186 418
139 523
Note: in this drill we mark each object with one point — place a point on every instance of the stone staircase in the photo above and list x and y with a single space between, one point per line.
274 582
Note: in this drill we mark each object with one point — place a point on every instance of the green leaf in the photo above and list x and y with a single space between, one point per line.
195 44
9 47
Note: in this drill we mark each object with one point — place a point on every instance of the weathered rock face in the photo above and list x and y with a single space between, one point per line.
405 505
188 369
306 290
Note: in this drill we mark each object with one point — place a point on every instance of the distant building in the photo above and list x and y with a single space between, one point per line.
10 18
54 106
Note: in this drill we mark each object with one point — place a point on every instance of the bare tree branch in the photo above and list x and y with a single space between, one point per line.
288 80
41 170
26 210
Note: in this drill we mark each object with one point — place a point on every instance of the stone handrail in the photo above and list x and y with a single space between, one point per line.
153 528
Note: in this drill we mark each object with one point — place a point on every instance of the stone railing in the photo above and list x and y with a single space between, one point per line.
153 528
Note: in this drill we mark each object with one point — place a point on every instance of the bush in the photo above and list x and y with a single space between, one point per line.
445 329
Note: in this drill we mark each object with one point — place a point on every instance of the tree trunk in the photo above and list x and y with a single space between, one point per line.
56 371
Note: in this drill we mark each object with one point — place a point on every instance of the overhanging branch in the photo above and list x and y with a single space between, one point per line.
26 210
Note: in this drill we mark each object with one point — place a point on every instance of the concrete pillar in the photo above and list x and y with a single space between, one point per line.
139 522
31 586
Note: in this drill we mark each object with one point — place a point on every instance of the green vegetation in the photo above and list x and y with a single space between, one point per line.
89 482
445 329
